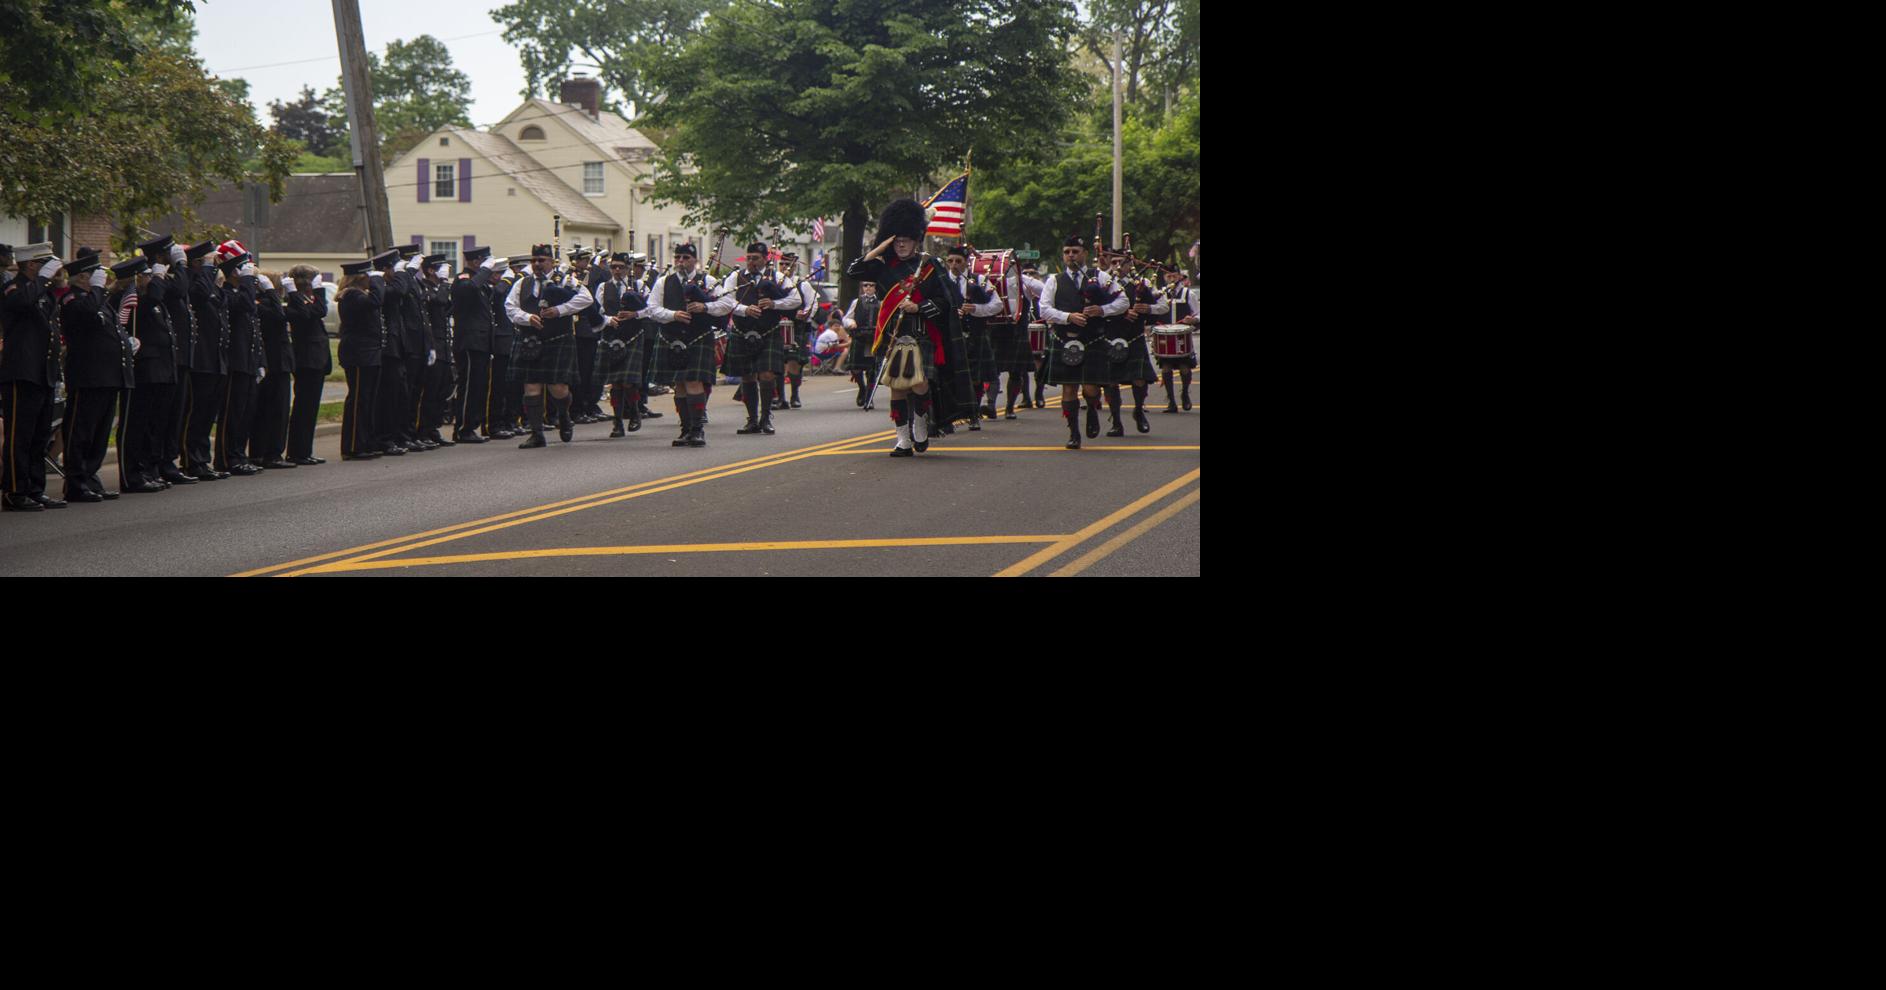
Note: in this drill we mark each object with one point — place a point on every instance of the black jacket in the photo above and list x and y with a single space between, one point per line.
182 317
362 334
392 314
29 330
210 350
471 311
245 331
415 333
307 326
157 341
279 357
501 329
97 354
438 296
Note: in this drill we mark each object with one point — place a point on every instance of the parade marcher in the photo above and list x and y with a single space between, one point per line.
29 371
505 410
245 362
435 382
1132 360
99 367
170 280
1180 305
137 300
861 322
305 301
976 302
391 393
543 310
209 368
1076 301
363 340
471 342
619 355
588 329
640 271
917 309
406 318
799 351
685 353
1008 342
274 393
756 351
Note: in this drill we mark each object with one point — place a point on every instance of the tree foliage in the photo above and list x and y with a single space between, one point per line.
303 120
621 41
105 116
808 108
415 91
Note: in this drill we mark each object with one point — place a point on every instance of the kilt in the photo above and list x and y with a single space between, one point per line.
858 357
555 363
626 369
1138 364
1094 369
692 364
1188 361
982 366
1009 342
745 357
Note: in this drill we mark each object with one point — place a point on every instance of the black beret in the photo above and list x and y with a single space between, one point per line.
903 218
126 269
1075 240
687 249
356 267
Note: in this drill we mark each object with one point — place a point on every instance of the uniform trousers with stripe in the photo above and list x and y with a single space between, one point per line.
357 413
272 399
232 434
434 390
86 433
143 432
28 412
474 389
175 414
391 417
208 391
306 412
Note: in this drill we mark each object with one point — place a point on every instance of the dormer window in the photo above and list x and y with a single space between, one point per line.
531 133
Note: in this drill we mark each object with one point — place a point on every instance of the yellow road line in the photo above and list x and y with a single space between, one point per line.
1139 529
522 512
473 558
1062 546
980 450
726 472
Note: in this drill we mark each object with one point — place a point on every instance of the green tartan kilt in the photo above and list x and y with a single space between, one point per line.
982 365
626 369
1138 364
800 349
858 357
1009 341
1094 369
554 363
745 357
690 364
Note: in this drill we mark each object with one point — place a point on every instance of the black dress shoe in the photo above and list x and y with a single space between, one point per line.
697 438
245 470
753 426
318 460
921 445
1139 419
279 462
306 461
975 426
766 425
501 434
617 433
861 400
439 441
109 496
565 432
635 424
143 488
1170 408
1116 430
176 477
680 441
1187 399
393 450
471 437
533 442
86 497
1093 422
21 503
1009 415
52 503
649 414
363 456
902 452
795 402
205 474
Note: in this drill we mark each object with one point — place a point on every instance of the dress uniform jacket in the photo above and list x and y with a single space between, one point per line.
307 330
210 346
28 325
157 339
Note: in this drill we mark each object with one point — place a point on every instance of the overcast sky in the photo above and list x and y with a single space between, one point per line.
254 39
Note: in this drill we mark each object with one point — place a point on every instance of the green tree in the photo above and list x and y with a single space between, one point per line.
810 108
415 92
110 119
621 40
303 120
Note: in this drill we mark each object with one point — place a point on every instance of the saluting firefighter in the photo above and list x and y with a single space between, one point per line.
305 301
137 302
363 342
29 372
922 326
544 312
800 350
245 362
435 383
268 441
861 322
209 363
1076 302
100 365
975 302
170 286
471 342
684 355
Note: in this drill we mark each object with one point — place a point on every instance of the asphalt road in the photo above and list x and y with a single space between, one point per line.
820 498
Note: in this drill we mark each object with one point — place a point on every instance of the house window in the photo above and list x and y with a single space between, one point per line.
510 192
592 178
445 142
654 250
447 248
531 133
443 187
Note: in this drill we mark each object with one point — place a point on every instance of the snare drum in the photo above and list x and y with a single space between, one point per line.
1038 338
1172 340
785 332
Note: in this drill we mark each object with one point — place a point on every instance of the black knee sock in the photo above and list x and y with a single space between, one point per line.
534 415
1186 376
615 407
750 394
797 377
1139 396
1014 390
698 403
767 391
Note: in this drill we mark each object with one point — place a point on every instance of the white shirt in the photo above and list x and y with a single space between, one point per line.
990 308
717 305
731 284
828 340
582 301
1051 315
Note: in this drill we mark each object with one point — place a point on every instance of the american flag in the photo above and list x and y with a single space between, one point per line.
818 229
128 307
946 208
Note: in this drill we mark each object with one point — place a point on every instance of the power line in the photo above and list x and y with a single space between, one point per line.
336 57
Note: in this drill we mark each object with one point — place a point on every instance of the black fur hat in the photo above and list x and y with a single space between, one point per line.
903 218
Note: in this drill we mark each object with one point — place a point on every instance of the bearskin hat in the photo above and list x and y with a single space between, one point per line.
903 218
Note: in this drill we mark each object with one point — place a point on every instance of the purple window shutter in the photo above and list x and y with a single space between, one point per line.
471 244
425 180
419 241
464 180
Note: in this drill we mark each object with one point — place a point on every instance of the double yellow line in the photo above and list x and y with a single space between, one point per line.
340 560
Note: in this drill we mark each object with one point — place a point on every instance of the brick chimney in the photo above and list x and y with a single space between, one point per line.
580 90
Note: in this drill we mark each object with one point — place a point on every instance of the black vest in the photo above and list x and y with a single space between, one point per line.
1177 296
553 295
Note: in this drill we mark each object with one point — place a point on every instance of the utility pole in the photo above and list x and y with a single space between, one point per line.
361 130
1116 139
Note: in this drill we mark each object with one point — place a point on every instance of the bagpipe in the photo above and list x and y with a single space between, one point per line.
633 301
694 290
767 285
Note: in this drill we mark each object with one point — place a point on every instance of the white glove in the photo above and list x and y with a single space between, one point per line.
491 263
288 284
135 345
264 282
99 275
444 271
316 284
246 269
260 373
159 271
431 356
176 254
50 268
